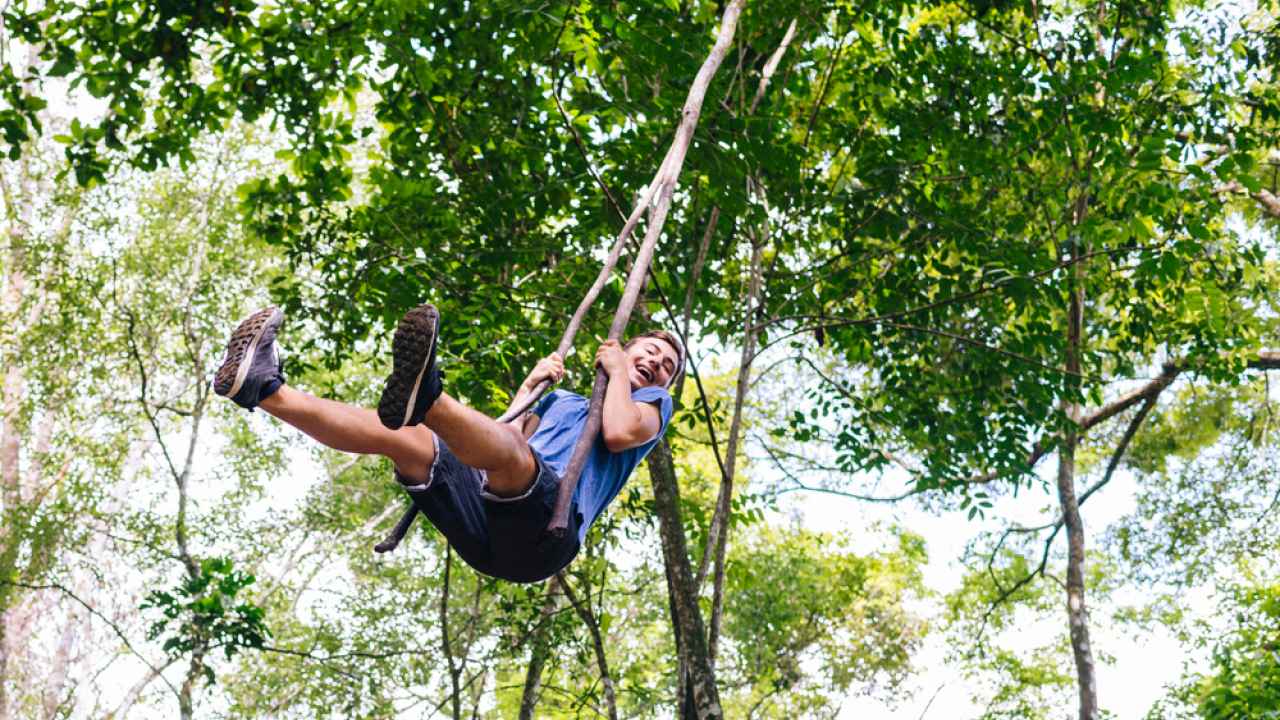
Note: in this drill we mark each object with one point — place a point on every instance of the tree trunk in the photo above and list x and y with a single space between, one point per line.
186 694
686 615
724 503
455 672
10 448
4 666
540 651
583 609
57 680
1077 614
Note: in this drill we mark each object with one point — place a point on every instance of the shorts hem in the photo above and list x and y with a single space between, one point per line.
490 497
431 472
533 484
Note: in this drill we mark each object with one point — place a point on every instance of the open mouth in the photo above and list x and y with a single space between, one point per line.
644 373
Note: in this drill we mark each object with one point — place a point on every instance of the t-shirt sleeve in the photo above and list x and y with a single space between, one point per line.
541 408
656 396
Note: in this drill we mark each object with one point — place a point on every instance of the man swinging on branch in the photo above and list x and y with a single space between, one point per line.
488 487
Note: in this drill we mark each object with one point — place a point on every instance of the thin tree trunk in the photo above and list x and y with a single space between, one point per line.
682 652
719 519
11 533
597 642
725 499
4 665
702 693
455 672
14 381
477 694
540 651
1077 613
473 629
57 680
195 670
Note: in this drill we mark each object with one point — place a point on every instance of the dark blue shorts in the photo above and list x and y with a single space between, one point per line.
502 537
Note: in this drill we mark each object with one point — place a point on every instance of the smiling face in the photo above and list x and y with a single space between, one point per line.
651 361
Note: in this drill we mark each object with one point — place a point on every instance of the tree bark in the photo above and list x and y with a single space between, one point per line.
12 638
6 650
702 694
186 693
57 680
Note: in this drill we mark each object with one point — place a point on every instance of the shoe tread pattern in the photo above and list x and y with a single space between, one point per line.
238 347
411 348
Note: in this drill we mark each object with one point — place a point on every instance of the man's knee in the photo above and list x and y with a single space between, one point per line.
519 472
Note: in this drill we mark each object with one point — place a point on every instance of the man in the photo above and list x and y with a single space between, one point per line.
488 487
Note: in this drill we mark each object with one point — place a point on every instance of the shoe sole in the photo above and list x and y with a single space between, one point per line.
412 350
241 348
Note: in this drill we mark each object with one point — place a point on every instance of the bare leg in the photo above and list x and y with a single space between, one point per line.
482 442
355 430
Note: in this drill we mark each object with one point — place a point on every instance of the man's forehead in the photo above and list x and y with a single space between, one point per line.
663 345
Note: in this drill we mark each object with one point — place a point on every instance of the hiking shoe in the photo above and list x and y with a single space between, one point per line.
414 382
251 368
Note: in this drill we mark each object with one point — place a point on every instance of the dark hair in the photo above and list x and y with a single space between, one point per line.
669 339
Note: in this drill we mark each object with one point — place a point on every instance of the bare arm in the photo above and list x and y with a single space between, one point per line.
530 425
550 368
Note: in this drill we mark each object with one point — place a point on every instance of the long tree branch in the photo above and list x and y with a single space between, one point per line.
664 184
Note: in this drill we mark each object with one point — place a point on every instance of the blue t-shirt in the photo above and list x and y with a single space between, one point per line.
564 414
